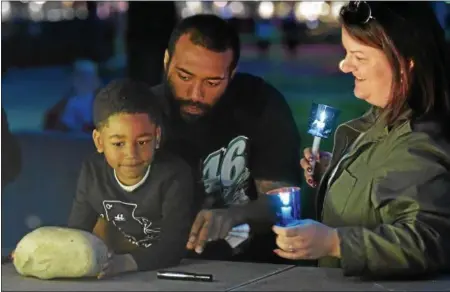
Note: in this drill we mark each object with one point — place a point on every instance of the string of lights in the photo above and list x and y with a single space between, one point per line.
303 11
54 11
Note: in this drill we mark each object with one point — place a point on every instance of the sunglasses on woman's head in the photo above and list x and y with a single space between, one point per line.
357 12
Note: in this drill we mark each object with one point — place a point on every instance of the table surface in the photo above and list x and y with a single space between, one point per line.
322 279
227 276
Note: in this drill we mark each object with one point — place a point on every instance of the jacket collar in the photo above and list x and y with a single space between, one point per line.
373 124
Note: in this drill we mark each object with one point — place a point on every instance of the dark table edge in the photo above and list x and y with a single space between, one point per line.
281 270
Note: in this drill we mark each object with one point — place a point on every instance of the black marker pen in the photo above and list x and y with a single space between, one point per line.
184 276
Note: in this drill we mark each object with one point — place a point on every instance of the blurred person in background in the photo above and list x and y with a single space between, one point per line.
235 130
264 30
291 33
384 198
74 112
11 154
149 26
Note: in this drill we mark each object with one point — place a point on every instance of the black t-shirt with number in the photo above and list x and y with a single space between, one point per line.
250 134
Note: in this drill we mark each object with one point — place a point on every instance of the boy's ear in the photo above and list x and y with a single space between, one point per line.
96 136
158 137
166 59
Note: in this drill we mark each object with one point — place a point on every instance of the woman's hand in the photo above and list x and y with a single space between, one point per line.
322 161
307 240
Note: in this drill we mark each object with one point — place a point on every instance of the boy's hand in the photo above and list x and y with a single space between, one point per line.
8 259
117 264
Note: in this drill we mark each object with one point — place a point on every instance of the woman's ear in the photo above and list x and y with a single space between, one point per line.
410 64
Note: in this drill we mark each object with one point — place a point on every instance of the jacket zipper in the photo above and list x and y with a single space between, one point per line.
336 168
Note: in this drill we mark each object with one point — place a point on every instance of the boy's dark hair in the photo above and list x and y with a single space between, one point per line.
210 32
128 97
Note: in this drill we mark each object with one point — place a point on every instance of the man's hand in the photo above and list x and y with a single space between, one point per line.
211 225
117 264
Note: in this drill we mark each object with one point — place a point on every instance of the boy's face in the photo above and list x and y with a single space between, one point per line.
128 142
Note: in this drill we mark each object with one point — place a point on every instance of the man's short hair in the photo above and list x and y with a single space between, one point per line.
210 32
125 96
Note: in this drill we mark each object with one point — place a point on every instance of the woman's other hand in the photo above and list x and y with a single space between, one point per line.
322 159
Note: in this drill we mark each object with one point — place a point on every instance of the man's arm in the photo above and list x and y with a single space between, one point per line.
176 222
274 163
275 156
276 145
82 215
11 156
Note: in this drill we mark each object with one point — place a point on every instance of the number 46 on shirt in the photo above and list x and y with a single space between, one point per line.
222 167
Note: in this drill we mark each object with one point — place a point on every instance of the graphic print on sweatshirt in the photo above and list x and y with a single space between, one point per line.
122 215
225 173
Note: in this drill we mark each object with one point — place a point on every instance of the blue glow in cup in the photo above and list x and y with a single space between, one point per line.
287 204
322 120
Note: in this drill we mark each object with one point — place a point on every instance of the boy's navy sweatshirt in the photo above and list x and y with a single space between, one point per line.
156 217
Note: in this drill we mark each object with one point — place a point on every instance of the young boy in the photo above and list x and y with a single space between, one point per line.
135 191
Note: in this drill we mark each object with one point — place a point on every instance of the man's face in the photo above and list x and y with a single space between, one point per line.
128 142
197 77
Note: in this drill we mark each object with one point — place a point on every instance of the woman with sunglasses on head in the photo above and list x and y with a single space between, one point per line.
384 198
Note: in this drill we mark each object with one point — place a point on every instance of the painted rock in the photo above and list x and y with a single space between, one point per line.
58 252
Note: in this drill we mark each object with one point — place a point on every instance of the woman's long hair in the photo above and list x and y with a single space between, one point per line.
414 42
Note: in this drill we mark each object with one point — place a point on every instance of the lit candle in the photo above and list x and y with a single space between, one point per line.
286 209
286 213
322 121
286 201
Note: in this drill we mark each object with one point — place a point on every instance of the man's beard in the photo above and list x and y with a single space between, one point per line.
180 103
189 117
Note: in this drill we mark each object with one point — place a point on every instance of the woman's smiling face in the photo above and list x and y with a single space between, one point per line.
371 69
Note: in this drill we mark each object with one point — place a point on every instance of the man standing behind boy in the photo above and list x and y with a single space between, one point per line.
234 129
140 196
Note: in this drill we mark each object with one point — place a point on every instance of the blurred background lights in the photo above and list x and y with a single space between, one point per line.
6 10
192 8
220 4
335 8
34 7
312 24
54 15
282 9
81 13
266 9
237 9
